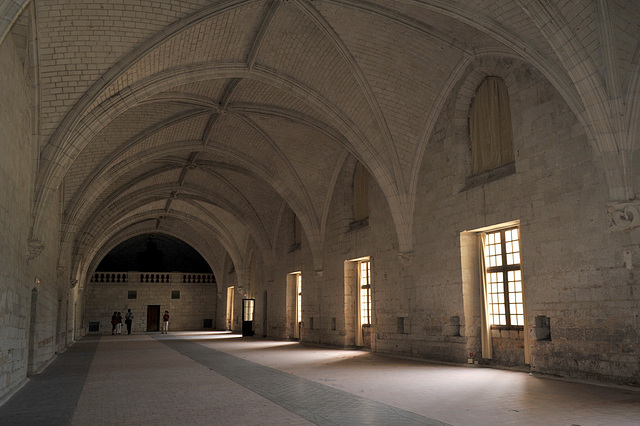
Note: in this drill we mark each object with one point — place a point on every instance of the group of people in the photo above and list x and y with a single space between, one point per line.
116 322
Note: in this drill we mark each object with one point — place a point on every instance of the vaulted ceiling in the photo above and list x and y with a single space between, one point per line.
204 119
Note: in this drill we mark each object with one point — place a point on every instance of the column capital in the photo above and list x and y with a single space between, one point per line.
406 258
623 216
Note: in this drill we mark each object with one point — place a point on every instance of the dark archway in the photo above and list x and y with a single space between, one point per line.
154 253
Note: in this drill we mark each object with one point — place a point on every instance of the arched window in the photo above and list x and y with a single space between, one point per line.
296 234
490 126
297 231
360 193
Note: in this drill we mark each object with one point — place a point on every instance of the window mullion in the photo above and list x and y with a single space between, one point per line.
507 308
505 277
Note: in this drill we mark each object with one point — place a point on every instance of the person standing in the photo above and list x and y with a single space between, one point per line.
118 323
165 322
128 319
114 321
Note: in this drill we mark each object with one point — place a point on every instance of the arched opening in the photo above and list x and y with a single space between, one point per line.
145 276
154 253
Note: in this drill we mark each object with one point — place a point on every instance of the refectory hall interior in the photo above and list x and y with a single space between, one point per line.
446 181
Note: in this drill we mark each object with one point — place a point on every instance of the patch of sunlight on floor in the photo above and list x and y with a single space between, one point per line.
206 335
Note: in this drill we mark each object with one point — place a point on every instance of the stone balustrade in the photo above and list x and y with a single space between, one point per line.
152 277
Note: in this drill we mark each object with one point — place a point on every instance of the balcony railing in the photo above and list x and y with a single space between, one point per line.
152 277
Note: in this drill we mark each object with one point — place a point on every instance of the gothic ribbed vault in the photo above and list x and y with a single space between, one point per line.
205 119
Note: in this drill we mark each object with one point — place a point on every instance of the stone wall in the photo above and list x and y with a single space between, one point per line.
196 303
15 174
34 294
427 304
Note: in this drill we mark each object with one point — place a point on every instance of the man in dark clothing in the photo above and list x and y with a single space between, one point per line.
128 319
114 321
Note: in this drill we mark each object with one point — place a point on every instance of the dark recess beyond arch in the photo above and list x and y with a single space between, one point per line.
154 253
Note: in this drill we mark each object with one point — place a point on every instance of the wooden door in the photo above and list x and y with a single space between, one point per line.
153 318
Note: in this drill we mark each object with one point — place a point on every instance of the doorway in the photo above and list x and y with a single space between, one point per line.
229 318
294 304
153 317
248 310
298 324
494 294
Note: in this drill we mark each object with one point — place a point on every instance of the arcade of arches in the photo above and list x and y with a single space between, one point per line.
454 181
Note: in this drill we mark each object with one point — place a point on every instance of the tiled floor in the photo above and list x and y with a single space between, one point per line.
199 378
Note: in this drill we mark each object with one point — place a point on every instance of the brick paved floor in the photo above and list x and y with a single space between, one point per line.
200 378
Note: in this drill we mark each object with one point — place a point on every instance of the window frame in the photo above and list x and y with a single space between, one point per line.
365 292
504 268
298 277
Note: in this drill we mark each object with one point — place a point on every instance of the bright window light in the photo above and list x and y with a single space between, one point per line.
504 278
364 276
299 297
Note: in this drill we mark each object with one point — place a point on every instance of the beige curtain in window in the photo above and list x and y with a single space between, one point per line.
360 193
485 327
490 126
297 231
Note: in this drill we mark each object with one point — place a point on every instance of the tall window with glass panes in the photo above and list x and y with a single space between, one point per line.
364 277
504 279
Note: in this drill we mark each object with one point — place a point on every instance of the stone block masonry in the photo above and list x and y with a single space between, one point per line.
189 304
